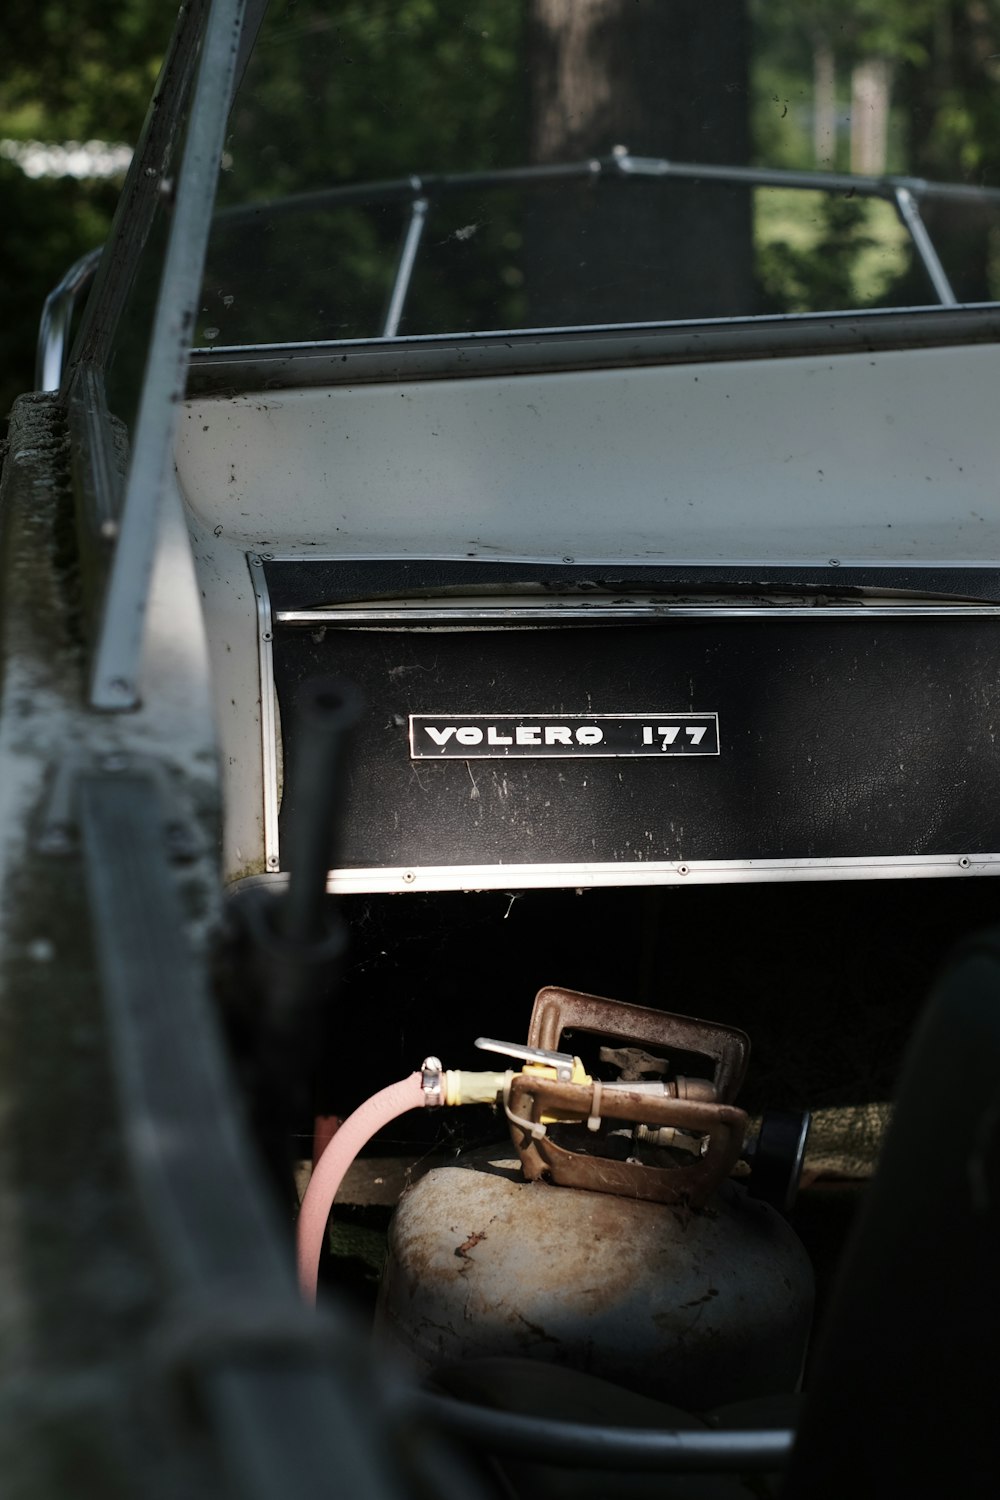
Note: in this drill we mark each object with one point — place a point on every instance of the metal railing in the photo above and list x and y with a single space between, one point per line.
420 192
905 194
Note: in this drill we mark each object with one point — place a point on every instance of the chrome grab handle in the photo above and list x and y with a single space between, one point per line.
57 317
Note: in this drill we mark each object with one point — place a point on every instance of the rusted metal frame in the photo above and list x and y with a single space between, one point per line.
722 1125
557 1010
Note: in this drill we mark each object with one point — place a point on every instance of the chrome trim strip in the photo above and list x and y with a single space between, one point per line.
268 719
226 370
699 872
554 613
838 570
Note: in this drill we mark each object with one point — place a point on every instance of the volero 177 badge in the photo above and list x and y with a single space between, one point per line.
560 736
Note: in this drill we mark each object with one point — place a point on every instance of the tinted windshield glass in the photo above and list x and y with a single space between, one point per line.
432 166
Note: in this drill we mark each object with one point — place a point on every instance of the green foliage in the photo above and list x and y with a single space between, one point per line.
47 225
76 69
69 70
828 252
943 60
899 30
348 91
945 63
362 92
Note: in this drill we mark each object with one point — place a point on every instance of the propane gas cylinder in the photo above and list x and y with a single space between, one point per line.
697 1307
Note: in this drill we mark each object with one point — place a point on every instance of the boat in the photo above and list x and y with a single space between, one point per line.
466 648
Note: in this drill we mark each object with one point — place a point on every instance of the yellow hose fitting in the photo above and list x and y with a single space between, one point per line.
460 1087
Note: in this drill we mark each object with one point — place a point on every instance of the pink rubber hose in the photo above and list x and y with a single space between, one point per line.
357 1130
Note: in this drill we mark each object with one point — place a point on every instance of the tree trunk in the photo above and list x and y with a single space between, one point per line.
960 44
824 105
870 81
664 80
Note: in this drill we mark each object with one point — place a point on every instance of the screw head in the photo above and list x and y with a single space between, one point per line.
56 838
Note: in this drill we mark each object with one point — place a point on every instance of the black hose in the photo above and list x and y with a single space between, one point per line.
326 711
293 942
573 1445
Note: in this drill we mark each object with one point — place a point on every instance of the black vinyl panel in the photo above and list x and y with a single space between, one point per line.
308 584
837 738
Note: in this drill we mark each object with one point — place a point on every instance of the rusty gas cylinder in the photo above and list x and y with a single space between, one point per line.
693 1307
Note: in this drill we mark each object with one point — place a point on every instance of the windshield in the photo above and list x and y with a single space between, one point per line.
432 167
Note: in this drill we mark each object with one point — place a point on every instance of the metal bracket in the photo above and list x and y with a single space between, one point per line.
60 830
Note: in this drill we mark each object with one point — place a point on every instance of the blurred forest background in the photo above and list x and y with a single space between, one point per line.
354 91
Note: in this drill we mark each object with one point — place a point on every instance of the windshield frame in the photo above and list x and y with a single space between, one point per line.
391 356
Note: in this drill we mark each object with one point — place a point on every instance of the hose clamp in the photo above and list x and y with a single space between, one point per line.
430 1081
